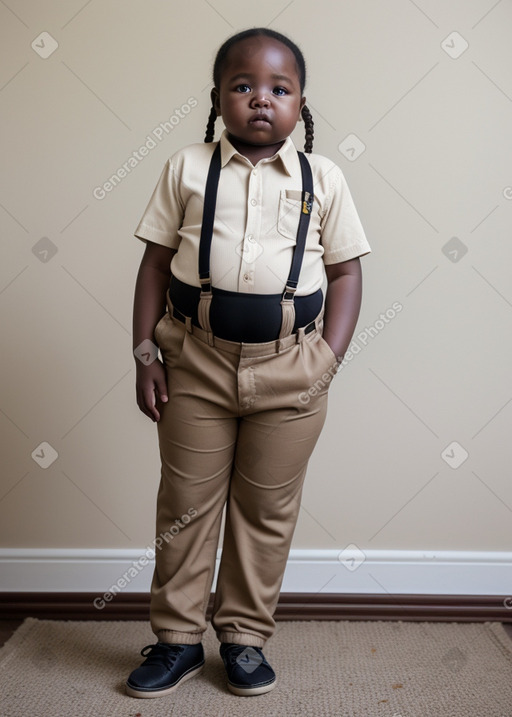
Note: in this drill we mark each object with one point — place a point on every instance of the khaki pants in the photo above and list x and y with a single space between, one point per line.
239 428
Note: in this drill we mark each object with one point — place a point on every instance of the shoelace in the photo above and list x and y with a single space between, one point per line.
161 654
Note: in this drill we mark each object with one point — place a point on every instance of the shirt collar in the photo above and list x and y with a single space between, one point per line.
287 154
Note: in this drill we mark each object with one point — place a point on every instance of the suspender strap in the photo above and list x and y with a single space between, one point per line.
287 300
210 199
302 231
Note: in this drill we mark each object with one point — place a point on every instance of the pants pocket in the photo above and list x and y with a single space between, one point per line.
169 335
329 351
320 362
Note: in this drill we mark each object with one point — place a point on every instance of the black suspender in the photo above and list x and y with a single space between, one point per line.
210 199
302 231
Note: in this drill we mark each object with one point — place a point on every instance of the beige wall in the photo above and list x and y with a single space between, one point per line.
436 166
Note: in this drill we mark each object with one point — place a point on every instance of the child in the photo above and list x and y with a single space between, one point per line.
246 334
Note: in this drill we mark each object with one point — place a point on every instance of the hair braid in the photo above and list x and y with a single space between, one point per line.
309 127
210 127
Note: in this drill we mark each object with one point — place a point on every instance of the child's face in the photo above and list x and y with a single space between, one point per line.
259 97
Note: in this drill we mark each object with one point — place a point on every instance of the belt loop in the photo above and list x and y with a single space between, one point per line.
287 311
203 308
203 311
188 324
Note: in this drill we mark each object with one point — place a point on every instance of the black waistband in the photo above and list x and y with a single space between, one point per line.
239 316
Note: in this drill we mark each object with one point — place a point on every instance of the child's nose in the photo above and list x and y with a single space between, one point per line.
261 100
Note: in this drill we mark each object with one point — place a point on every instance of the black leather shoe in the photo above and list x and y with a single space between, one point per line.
165 668
248 671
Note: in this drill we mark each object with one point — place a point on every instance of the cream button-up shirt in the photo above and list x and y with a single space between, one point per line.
256 218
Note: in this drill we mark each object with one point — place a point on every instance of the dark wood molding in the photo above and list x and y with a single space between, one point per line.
291 606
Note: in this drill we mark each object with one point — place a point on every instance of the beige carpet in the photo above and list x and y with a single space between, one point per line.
339 669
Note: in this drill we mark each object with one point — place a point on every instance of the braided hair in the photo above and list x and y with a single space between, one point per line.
301 66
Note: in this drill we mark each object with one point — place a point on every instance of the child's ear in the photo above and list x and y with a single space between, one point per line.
214 95
302 103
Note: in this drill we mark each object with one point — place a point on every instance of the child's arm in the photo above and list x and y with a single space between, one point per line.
148 308
342 304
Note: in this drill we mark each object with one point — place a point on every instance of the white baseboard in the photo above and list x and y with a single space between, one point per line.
308 571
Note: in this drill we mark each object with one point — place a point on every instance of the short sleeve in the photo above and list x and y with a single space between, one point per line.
163 215
343 236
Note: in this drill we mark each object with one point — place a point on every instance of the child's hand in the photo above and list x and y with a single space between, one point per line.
151 386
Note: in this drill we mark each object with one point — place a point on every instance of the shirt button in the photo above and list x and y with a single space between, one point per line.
255 172
246 277
250 237
253 202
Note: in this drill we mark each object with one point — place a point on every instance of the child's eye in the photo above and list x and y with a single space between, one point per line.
280 91
243 88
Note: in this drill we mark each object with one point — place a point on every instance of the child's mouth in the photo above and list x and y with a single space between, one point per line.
260 120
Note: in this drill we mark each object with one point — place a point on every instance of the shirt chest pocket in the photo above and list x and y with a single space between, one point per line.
289 213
